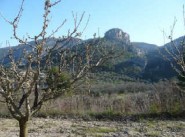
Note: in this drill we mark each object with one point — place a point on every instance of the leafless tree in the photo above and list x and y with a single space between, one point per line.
44 73
174 52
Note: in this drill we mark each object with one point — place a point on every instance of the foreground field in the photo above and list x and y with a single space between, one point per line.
78 128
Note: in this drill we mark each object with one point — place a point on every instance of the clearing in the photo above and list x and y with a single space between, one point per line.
47 127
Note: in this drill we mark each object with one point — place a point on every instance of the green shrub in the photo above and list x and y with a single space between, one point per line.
57 79
155 108
176 108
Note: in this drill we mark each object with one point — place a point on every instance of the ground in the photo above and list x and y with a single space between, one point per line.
40 127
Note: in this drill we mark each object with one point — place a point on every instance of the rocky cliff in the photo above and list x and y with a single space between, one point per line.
118 35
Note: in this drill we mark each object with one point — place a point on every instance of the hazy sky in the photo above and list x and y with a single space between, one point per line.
143 20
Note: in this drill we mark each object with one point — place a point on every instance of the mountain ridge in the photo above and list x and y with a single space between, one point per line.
140 61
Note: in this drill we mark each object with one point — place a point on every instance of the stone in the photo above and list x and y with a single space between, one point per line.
117 34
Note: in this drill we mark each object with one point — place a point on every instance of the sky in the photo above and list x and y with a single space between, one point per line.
143 20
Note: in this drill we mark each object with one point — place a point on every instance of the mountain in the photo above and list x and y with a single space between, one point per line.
144 47
3 52
157 66
117 35
50 42
139 61
147 62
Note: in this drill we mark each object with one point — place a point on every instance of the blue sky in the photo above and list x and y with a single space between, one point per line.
143 20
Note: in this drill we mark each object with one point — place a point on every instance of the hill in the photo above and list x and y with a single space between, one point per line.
139 61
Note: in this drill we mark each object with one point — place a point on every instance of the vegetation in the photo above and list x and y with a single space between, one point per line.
162 99
89 79
45 72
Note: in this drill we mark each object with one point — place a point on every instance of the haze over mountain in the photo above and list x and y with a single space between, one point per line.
140 61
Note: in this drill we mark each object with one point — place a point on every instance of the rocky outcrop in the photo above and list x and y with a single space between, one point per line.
118 35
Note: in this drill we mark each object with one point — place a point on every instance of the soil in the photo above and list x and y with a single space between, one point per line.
47 127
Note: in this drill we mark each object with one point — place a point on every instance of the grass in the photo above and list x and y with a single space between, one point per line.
176 128
101 130
153 134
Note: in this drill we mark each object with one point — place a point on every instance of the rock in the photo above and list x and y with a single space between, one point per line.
117 34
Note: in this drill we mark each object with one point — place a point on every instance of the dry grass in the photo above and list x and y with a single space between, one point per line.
164 98
161 98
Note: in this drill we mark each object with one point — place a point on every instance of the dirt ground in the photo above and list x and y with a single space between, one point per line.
40 127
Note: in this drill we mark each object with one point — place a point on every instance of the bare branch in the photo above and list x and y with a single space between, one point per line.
57 29
5 19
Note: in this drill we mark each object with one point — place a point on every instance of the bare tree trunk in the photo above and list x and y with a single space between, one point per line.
23 125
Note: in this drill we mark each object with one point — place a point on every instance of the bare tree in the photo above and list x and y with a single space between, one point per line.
45 72
174 52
